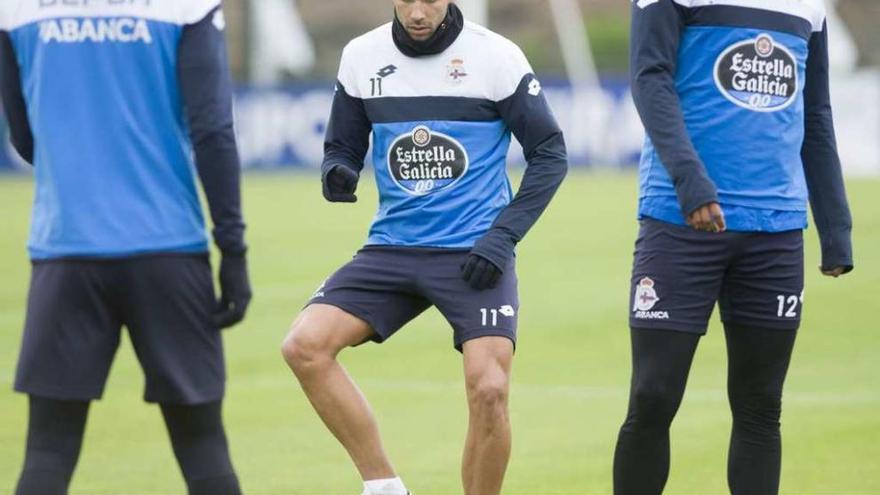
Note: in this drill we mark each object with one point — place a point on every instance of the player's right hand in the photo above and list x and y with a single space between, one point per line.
340 184
708 218
235 290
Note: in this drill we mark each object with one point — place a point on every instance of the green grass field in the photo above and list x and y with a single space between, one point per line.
570 379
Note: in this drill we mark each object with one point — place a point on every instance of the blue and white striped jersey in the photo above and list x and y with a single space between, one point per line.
115 93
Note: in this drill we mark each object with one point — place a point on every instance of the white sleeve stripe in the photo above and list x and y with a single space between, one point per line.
345 76
514 66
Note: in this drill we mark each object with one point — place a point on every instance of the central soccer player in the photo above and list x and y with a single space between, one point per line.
441 97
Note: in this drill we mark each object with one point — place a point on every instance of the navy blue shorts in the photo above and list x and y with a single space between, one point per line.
389 286
680 273
76 310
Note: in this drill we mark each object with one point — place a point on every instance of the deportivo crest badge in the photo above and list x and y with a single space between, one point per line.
758 74
455 71
646 295
422 161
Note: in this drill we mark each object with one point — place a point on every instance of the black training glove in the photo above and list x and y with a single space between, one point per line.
340 183
235 290
480 273
485 265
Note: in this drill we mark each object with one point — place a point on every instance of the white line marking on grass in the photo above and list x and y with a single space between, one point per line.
578 392
591 392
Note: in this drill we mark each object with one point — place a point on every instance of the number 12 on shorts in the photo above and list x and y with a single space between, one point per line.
788 305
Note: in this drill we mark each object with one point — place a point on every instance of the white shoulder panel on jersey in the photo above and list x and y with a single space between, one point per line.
479 64
194 11
358 52
509 62
4 15
18 13
7 13
811 10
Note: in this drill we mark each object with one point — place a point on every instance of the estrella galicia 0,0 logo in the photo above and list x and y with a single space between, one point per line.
423 162
758 74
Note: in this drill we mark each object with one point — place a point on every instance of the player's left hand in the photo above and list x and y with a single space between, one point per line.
486 261
480 273
708 218
235 291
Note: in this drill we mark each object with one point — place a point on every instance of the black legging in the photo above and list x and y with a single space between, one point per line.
200 446
55 434
757 364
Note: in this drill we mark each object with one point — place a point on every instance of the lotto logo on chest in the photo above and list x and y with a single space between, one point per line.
758 74
423 162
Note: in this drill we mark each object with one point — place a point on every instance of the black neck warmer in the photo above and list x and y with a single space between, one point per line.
445 35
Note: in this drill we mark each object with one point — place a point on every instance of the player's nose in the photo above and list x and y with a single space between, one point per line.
417 14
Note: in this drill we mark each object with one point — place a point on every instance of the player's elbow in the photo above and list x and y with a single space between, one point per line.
649 86
640 81
562 158
560 167
551 154
213 135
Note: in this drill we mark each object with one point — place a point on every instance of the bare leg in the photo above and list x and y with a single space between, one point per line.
487 365
310 349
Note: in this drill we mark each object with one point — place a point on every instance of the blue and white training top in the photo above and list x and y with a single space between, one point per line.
734 97
105 98
441 125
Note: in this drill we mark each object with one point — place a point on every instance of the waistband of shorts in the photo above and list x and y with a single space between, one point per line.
102 260
412 249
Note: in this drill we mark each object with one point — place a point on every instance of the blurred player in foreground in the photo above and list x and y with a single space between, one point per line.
441 97
734 96
108 100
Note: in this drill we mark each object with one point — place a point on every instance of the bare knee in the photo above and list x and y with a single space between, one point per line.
488 393
487 364
318 335
305 349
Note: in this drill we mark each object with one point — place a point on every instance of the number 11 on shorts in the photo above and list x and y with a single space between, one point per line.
506 311
486 312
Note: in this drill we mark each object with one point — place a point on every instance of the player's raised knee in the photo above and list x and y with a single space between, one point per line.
304 347
318 335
